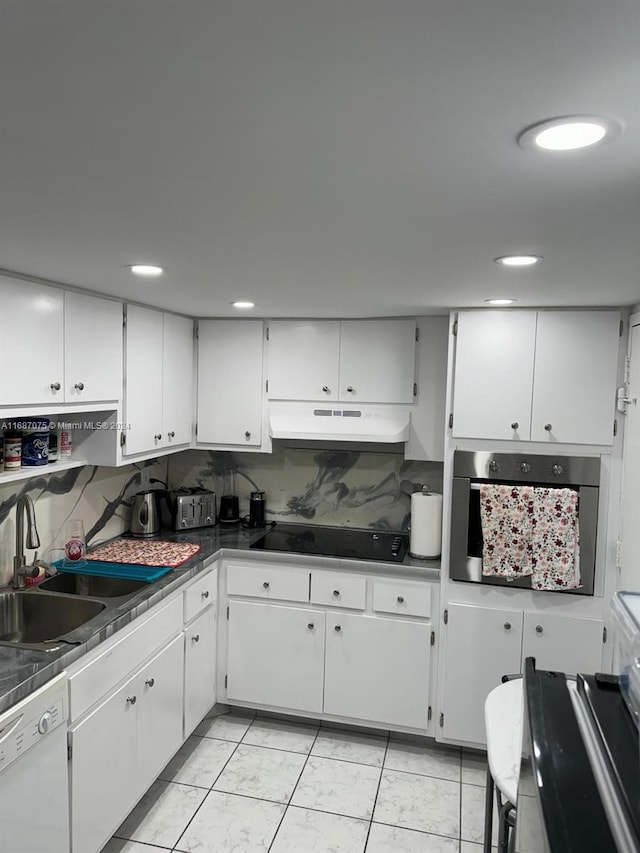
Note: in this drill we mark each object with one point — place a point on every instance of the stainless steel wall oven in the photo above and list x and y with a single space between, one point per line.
472 469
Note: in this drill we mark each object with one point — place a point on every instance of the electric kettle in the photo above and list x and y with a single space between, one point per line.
145 514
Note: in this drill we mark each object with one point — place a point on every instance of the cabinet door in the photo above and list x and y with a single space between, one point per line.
276 655
494 374
482 645
177 380
303 359
160 708
199 669
31 344
574 389
103 769
377 360
92 348
568 644
377 669
143 380
230 382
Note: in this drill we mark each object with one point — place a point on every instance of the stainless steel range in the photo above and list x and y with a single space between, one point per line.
335 542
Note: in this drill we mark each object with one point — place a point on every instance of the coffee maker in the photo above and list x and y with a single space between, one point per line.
229 509
257 511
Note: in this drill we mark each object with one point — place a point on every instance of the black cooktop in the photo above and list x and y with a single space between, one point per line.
335 542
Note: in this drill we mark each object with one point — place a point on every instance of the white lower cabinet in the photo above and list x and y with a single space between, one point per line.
199 669
377 669
485 643
275 655
118 749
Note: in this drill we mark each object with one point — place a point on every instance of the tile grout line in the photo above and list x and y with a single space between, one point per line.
375 799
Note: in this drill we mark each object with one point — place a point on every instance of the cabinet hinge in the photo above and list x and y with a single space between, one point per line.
615 426
415 389
69 751
445 617
226 680
429 713
267 332
451 421
196 333
417 333
196 429
123 438
618 554
604 635
433 638
124 319
266 386
455 328
441 722
621 328
227 612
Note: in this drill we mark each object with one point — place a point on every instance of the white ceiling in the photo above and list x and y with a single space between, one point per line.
320 157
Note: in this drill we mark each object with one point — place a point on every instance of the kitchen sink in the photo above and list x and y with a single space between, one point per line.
92 585
35 619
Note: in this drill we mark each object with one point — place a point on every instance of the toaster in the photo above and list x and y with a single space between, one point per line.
189 508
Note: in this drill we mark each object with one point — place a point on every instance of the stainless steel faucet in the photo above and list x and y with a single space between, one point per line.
20 570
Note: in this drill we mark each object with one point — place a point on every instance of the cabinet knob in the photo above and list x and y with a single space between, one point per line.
79 386
150 682
195 638
337 629
400 599
336 592
204 594
247 434
311 626
266 584
158 436
548 427
539 629
171 434
515 425
326 389
131 700
350 389
55 386
507 626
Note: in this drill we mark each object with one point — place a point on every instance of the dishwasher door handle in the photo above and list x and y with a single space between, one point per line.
9 729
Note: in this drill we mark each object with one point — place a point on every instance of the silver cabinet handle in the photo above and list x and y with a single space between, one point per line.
548 427
158 436
55 386
150 682
400 599
79 386
515 425
205 594
196 638
336 592
539 629
350 389
247 434
131 700
337 629
325 388
266 584
507 626
171 434
311 626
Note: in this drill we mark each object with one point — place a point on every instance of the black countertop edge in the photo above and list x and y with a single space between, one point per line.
24 670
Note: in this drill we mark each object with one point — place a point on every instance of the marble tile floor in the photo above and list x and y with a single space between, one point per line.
247 784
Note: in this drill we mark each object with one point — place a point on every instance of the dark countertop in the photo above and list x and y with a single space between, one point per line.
24 670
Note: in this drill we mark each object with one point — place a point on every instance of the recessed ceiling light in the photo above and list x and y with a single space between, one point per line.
568 133
243 304
518 260
149 270
500 301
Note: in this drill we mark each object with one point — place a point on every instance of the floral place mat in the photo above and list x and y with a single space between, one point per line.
136 553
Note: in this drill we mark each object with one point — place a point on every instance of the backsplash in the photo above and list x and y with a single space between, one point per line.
98 496
334 487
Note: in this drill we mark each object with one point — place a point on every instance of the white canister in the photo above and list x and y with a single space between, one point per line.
426 525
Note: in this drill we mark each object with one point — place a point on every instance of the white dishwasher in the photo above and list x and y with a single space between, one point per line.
34 790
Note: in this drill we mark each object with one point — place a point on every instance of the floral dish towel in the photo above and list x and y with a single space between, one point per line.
506 515
555 539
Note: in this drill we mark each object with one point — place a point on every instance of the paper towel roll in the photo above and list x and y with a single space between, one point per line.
426 525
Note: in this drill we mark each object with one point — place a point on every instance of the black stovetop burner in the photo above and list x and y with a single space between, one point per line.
335 542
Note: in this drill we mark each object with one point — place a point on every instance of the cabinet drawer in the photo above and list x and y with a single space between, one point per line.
200 594
110 666
272 582
338 590
402 597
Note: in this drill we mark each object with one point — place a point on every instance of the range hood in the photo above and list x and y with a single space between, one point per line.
336 422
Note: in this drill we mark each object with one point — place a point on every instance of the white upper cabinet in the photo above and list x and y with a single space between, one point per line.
541 376
304 359
158 380
365 361
230 383
92 348
31 344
